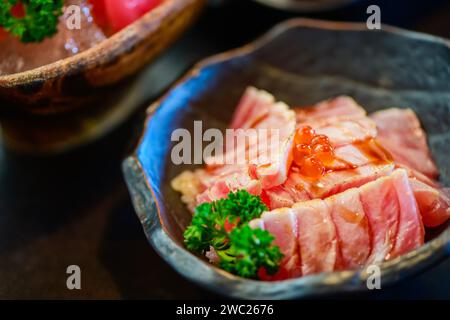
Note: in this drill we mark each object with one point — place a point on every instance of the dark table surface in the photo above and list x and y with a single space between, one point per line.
74 208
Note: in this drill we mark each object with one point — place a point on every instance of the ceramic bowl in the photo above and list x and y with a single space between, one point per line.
301 62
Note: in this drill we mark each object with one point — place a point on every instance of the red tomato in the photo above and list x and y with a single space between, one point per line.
229 225
18 10
99 13
121 13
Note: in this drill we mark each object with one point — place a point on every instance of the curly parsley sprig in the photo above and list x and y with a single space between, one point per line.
223 225
249 250
40 20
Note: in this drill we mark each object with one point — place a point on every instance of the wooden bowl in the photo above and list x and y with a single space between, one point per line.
301 62
80 79
69 102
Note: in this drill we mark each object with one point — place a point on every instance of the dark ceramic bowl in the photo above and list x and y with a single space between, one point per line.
300 62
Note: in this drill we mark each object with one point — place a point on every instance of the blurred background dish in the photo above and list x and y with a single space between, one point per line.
65 103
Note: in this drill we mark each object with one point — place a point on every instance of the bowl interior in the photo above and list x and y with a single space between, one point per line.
301 66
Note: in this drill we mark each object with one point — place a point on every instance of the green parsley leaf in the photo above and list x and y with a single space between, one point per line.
223 225
40 20
250 249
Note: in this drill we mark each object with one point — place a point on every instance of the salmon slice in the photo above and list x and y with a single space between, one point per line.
338 181
394 218
367 225
266 152
267 148
306 236
298 188
273 171
352 228
359 154
416 175
410 233
287 194
221 185
282 224
342 107
433 203
381 206
253 105
341 119
280 197
347 131
400 133
316 237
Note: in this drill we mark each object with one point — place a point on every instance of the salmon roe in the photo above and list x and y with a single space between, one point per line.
301 151
320 139
304 135
312 152
312 167
324 152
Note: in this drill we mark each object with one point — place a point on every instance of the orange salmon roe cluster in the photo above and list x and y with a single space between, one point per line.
312 152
